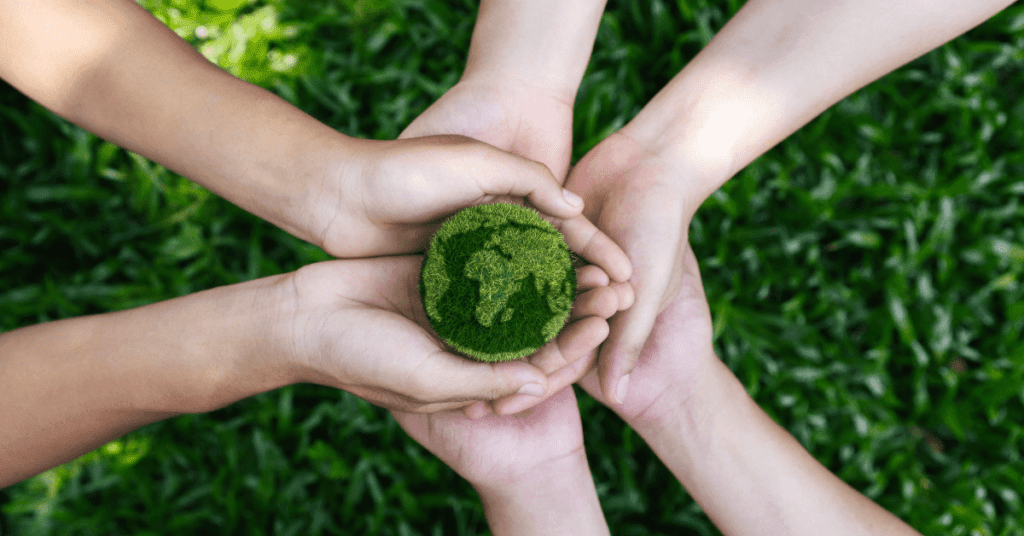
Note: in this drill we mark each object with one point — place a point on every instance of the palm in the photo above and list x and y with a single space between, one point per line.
513 117
677 352
638 200
363 329
496 450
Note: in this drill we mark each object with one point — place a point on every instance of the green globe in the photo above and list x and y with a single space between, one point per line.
498 282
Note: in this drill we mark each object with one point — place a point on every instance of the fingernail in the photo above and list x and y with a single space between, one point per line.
572 198
622 389
515 405
532 389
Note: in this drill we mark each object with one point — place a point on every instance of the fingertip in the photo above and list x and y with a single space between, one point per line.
574 201
626 295
515 404
623 270
476 411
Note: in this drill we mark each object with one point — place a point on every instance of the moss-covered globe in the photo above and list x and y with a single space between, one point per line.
498 282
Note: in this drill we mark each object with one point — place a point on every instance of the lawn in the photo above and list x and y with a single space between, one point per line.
864 278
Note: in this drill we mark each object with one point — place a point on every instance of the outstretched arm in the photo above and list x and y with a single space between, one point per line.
776 65
543 43
113 69
749 475
69 386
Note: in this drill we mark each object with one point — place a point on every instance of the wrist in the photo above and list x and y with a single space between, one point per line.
702 122
681 424
558 497
214 347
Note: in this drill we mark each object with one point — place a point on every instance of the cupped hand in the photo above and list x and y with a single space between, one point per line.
678 354
389 197
359 325
511 114
641 201
497 451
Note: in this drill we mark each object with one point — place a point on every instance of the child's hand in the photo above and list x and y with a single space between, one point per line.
390 197
530 470
643 203
527 120
359 325
495 452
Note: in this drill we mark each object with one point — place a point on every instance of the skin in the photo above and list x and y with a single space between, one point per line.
699 420
525 63
102 64
766 74
110 67
72 385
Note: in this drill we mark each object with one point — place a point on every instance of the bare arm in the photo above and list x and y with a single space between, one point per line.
558 498
537 42
747 472
749 475
547 45
115 70
778 64
69 386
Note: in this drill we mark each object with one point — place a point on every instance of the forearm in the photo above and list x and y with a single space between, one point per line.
69 386
557 499
747 473
539 42
113 69
779 63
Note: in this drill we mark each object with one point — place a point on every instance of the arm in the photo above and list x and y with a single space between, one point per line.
778 64
770 70
517 93
748 474
115 70
558 498
542 43
69 386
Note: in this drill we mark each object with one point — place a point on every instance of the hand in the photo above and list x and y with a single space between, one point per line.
536 123
678 355
512 115
499 451
390 197
641 200
359 325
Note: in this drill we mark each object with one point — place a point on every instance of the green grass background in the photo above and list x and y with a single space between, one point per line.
864 278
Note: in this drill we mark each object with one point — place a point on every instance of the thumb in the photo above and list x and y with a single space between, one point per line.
629 331
501 173
456 378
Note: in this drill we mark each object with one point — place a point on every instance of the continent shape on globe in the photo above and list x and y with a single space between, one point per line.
498 282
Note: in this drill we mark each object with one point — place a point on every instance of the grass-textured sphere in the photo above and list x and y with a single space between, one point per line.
498 282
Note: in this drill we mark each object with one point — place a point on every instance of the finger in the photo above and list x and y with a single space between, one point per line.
574 342
394 401
577 341
625 295
447 377
602 302
629 332
557 381
501 173
478 410
592 244
589 277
